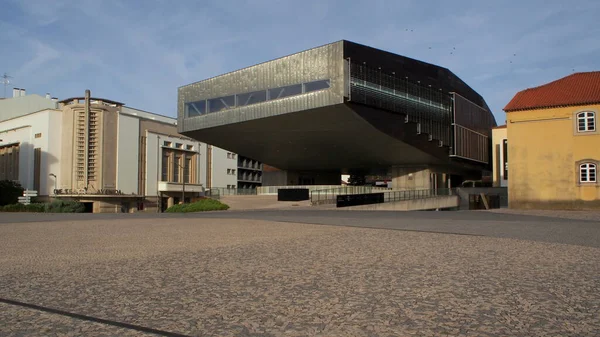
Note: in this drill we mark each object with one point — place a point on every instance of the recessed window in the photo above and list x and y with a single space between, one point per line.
586 121
251 98
167 144
176 167
189 147
290 90
38 135
316 85
179 145
194 109
228 171
221 103
186 170
587 173
165 167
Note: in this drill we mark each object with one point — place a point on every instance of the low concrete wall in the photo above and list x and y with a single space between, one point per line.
465 191
451 201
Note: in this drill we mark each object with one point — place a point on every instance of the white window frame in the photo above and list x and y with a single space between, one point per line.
585 173
586 117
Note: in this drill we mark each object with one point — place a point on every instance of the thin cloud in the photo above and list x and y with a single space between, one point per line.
139 52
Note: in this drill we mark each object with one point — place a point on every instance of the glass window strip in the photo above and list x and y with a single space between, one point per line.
198 108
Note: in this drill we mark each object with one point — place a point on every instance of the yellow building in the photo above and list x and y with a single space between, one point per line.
500 157
554 144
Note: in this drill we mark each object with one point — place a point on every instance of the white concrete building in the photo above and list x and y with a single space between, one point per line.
109 156
27 153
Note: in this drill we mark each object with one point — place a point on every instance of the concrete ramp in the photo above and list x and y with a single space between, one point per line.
425 204
250 202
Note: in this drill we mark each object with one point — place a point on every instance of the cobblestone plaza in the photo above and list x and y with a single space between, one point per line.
244 274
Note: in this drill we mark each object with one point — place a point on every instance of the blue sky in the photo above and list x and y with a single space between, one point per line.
138 52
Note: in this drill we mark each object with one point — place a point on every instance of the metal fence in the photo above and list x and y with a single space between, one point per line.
217 192
329 195
266 190
417 194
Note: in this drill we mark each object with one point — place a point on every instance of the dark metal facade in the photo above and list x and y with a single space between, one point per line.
427 108
321 63
441 104
471 130
430 109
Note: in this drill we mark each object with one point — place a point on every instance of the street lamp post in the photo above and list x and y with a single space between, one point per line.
54 175
183 180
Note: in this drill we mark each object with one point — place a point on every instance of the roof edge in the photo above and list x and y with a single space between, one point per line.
257 64
551 106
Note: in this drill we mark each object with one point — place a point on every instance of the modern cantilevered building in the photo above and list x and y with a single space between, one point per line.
345 107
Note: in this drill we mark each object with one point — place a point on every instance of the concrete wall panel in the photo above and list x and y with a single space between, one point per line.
128 154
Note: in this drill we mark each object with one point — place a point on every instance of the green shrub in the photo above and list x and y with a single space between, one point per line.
58 206
35 208
64 206
10 191
13 208
203 205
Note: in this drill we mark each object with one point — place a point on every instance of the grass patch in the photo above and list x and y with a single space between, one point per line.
202 205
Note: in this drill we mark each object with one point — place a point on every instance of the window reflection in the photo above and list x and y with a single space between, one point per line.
194 109
287 91
252 98
221 103
316 85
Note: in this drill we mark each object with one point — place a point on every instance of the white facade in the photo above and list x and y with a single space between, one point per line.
24 105
224 168
36 130
138 160
128 154
155 145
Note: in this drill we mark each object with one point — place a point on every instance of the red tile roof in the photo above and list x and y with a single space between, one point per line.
575 89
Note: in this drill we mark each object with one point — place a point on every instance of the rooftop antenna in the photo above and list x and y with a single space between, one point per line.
6 82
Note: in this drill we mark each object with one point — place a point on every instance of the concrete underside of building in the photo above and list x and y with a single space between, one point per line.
320 144
343 137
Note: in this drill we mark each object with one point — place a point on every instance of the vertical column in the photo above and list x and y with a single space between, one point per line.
412 178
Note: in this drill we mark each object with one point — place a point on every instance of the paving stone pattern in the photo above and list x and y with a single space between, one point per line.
224 277
575 215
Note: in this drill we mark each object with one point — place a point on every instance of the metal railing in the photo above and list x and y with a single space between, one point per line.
329 195
265 190
392 196
218 192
